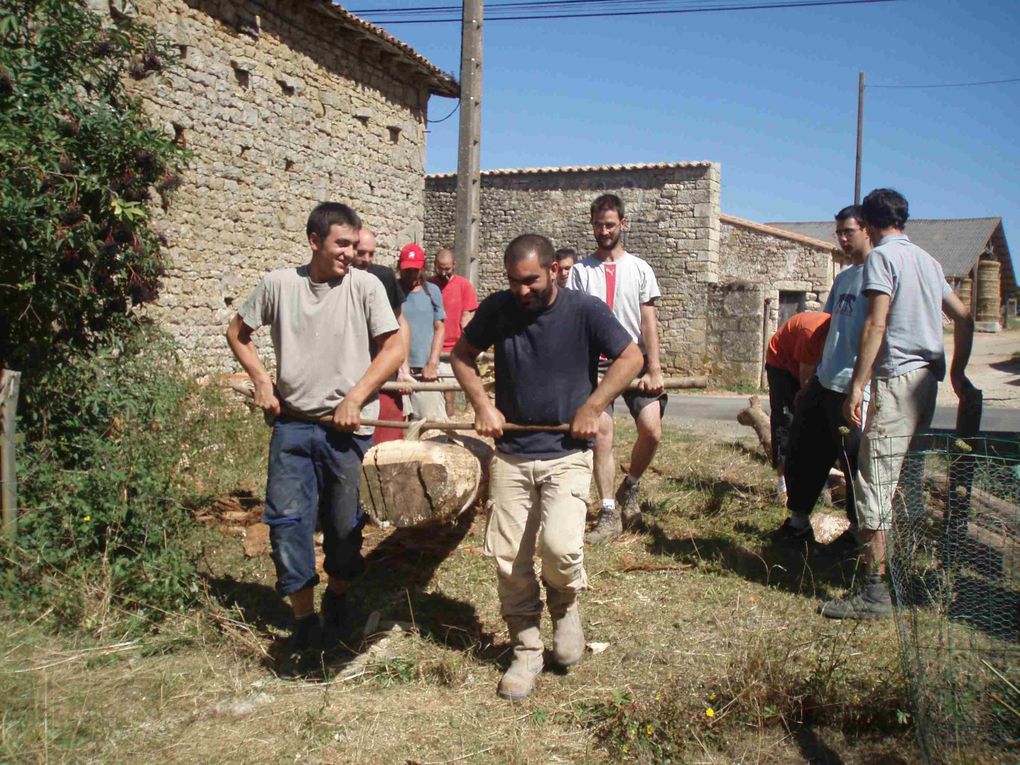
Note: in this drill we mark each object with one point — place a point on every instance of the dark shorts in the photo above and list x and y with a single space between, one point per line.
637 400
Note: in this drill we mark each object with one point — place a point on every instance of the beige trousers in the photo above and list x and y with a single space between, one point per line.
537 506
900 407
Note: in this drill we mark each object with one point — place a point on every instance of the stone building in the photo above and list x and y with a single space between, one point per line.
974 255
284 103
725 281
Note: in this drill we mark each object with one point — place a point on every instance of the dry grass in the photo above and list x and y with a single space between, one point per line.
698 612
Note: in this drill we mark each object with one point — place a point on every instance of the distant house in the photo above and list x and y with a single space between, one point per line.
973 253
284 104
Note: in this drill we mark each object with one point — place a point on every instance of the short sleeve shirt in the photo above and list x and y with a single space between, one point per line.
848 308
917 286
635 286
321 333
422 308
458 297
546 364
799 341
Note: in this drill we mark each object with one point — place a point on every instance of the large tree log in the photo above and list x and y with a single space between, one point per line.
754 416
416 483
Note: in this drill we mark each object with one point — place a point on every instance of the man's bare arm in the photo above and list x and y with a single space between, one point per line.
963 340
431 368
488 419
347 415
465 318
651 381
625 367
239 338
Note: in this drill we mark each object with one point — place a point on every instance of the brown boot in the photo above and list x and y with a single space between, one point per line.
519 680
568 635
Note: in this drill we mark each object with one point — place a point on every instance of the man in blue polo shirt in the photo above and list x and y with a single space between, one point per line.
547 345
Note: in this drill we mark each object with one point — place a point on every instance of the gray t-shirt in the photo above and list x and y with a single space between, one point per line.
917 286
321 335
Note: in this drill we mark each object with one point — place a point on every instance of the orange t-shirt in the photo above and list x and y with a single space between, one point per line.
799 341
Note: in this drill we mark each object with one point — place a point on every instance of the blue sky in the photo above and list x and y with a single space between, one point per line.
769 94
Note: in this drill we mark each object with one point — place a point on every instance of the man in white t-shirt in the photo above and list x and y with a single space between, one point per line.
627 284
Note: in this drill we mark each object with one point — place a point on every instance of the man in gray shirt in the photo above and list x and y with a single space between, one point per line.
901 352
323 318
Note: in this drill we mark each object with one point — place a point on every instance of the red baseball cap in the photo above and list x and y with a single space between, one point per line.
412 256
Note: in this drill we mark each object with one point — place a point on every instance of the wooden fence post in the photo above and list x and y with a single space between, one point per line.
9 383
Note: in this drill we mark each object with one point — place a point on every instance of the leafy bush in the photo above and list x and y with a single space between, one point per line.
101 523
102 396
78 163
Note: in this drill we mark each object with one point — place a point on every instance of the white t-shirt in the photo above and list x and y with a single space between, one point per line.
322 335
635 286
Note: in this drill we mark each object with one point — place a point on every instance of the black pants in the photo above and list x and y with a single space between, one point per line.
783 388
814 446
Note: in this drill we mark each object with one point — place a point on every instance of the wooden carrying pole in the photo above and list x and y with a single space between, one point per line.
9 384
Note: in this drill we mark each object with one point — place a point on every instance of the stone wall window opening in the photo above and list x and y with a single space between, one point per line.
243 77
394 134
179 134
228 301
286 86
790 303
288 165
182 49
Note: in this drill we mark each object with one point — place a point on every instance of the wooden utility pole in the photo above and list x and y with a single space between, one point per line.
9 382
860 136
469 181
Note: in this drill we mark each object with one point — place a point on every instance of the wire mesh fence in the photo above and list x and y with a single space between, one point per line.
954 556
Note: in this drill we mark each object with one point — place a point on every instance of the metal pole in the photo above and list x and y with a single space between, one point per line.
860 136
468 151
9 383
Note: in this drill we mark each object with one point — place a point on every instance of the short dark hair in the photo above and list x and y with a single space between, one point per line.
608 202
851 211
329 214
885 208
529 244
565 252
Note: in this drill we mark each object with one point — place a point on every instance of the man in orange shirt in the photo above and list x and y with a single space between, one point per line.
793 353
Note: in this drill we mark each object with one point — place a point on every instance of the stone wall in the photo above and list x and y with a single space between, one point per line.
282 109
735 347
673 223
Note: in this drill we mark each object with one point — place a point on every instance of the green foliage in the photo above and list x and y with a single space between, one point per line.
101 525
78 164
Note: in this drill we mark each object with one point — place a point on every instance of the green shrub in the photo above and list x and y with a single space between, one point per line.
101 526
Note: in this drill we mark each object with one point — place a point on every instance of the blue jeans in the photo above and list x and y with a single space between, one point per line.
314 474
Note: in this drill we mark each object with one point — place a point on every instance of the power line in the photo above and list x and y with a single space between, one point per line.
370 14
444 119
951 84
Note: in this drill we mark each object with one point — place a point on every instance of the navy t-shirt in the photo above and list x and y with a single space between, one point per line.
546 364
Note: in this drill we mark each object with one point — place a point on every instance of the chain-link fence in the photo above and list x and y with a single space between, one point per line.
954 557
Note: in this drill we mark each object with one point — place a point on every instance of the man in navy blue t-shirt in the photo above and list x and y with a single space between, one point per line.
547 343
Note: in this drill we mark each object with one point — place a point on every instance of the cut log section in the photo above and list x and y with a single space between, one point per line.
754 416
417 483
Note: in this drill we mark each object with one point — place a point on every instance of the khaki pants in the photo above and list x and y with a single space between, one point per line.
900 408
537 505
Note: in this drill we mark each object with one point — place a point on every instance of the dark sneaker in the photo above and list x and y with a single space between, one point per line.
628 505
787 534
871 601
334 617
608 528
845 545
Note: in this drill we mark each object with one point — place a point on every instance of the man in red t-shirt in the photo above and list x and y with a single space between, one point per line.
793 353
460 303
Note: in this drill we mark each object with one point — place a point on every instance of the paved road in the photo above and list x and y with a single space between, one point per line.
719 413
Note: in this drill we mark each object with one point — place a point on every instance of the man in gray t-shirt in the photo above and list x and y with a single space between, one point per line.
901 352
323 318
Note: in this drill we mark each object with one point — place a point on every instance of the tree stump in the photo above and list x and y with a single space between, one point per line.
417 483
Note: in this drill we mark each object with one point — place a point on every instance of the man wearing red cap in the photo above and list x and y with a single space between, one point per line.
460 304
426 318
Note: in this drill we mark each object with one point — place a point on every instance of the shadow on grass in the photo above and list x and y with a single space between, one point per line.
397 571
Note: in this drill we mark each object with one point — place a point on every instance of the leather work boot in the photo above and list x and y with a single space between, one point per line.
568 636
519 679
607 528
628 504
869 601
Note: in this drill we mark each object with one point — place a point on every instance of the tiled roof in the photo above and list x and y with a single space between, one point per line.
765 228
581 169
956 243
440 83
